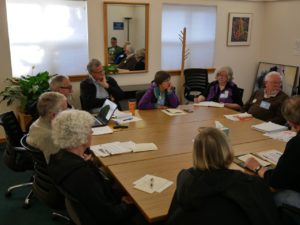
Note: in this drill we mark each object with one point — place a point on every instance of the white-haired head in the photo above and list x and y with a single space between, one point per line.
71 128
227 70
271 74
273 83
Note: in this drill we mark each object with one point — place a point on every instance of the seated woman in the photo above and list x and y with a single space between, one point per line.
210 193
140 58
160 94
74 172
223 90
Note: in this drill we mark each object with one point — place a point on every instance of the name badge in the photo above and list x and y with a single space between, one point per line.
265 105
224 95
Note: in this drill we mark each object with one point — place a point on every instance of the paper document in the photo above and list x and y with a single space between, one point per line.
117 147
271 156
244 158
211 104
269 127
150 184
173 112
239 117
144 147
102 130
121 115
127 119
281 135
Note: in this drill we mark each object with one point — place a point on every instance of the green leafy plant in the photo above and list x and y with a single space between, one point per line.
26 89
110 69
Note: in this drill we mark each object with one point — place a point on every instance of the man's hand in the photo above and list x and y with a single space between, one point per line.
103 82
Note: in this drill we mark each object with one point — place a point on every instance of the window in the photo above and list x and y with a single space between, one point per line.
47 35
200 23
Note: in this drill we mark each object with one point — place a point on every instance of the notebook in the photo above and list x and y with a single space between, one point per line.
106 111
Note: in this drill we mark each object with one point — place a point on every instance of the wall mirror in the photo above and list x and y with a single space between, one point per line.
129 24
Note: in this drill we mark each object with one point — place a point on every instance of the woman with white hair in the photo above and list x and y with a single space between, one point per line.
129 62
74 172
223 90
210 193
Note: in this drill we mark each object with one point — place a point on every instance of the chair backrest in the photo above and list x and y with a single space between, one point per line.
43 186
241 92
138 95
12 128
196 79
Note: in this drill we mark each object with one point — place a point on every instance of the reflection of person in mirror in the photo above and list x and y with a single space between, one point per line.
114 50
129 62
140 58
122 55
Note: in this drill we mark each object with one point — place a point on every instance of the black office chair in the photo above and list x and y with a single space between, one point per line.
138 95
15 156
289 214
241 92
43 186
196 82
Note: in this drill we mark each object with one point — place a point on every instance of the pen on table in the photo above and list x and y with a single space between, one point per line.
127 119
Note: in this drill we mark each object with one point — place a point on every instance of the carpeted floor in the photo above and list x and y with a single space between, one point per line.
11 210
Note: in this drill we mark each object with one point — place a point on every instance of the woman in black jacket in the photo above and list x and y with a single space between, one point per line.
210 193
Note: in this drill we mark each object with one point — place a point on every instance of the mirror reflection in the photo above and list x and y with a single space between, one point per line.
126 39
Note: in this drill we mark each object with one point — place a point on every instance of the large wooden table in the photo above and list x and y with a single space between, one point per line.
174 137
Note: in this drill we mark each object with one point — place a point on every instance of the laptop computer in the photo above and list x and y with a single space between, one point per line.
106 111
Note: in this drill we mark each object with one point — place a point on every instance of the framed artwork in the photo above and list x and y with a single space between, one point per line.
239 29
290 81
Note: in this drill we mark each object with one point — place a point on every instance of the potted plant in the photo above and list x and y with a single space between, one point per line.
26 90
110 69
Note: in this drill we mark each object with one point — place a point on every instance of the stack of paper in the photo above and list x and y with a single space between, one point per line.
244 158
174 112
282 135
209 103
269 127
121 115
114 148
102 130
150 184
239 117
271 156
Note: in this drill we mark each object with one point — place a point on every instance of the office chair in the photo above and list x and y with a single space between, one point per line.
43 186
196 82
138 95
241 92
15 156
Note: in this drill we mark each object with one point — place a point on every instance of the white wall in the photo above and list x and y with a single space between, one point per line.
274 31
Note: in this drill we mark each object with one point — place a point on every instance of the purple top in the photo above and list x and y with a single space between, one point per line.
149 99
230 94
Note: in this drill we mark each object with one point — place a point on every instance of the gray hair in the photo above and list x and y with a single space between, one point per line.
130 48
291 109
227 70
211 149
71 128
272 73
140 54
93 63
57 81
50 102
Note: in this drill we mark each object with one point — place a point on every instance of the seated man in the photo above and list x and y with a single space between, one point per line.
114 50
98 87
285 176
265 104
60 84
129 62
49 105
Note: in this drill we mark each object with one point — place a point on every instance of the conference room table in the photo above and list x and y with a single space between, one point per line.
173 136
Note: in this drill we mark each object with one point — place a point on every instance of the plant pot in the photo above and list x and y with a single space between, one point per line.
24 120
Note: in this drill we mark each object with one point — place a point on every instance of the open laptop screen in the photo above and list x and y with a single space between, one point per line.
106 111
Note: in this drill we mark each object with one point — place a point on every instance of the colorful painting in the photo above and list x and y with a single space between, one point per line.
239 29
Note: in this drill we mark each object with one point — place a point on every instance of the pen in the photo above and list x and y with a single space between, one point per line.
127 119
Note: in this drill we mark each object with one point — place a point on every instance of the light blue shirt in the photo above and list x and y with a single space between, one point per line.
101 92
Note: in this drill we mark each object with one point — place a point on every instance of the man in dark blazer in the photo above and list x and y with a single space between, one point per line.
98 87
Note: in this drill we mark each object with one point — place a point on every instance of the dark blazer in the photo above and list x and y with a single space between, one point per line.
221 197
88 93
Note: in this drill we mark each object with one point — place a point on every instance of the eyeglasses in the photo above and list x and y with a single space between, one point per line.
68 87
